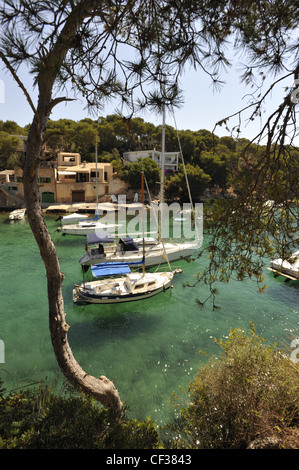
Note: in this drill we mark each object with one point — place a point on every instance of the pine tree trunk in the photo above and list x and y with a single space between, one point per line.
100 388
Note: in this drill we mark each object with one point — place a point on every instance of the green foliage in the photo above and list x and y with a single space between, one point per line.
132 173
261 222
176 186
43 420
12 128
72 136
250 391
216 164
10 150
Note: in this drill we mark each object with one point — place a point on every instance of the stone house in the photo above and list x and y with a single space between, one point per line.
67 180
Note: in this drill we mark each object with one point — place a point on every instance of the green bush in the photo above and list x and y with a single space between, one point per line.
250 392
42 420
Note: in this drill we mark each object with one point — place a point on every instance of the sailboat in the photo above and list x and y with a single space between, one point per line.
155 252
127 250
127 286
132 286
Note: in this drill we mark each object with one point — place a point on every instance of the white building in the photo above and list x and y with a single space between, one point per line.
171 159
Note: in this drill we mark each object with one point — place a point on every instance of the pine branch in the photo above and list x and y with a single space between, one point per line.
20 84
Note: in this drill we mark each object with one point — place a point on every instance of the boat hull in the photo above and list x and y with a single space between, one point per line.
153 256
85 229
83 295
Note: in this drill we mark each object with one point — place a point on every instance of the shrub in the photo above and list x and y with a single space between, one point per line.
249 393
42 420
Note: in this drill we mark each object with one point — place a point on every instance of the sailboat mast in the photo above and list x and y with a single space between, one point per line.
97 191
162 175
162 157
142 199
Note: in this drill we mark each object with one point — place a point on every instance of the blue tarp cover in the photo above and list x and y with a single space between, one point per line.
113 268
110 269
128 244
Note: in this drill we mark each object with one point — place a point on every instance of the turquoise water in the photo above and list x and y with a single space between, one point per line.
149 349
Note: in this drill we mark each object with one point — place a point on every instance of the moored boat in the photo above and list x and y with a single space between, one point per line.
287 268
127 250
128 287
17 214
83 227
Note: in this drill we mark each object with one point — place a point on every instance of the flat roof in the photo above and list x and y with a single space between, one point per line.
84 167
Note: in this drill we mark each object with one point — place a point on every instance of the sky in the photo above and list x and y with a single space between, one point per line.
203 106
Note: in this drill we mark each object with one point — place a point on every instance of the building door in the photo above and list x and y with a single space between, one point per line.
78 196
48 196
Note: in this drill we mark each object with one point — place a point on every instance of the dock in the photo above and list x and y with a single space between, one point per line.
79 207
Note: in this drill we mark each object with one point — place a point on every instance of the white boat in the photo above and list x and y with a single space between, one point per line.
128 250
70 218
133 286
287 268
17 214
83 227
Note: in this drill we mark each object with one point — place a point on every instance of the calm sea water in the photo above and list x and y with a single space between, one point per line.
149 349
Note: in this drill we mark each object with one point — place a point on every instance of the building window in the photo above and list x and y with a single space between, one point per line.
45 179
82 178
93 176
